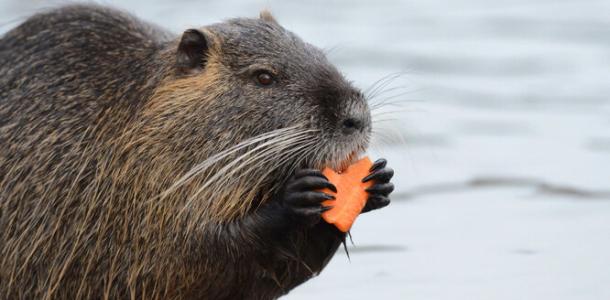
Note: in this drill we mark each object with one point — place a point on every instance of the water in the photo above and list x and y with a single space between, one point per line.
499 133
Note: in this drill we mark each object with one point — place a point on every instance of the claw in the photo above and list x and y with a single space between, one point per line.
378 164
376 202
383 175
309 172
326 208
308 198
309 211
311 183
382 188
313 211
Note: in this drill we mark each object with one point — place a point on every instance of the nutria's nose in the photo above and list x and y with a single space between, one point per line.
351 125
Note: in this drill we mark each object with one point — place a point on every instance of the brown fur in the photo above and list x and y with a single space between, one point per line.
97 126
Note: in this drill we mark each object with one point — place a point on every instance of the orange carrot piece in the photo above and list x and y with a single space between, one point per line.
351 195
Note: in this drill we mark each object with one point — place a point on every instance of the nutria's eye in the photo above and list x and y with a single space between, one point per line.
264 78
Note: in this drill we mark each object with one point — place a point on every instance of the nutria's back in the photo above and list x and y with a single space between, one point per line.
70 80
135 163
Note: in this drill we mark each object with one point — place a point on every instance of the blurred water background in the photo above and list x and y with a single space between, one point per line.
497 122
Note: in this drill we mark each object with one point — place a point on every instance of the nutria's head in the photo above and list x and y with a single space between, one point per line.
247 80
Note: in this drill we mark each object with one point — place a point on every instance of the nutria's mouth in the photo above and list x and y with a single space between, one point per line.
351 158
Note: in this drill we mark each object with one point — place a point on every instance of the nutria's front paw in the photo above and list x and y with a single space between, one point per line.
302 198
381 189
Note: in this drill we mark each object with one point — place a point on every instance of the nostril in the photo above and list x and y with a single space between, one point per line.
352 124
349 123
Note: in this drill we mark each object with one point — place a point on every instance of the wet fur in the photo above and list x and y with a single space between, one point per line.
97 126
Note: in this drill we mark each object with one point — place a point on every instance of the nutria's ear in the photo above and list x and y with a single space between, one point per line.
266 16
192 52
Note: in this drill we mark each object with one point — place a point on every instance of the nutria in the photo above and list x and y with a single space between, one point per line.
136 164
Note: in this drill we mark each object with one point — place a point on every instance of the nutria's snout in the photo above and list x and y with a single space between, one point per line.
357 119
353 130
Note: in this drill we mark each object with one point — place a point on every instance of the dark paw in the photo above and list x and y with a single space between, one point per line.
302 198
382 187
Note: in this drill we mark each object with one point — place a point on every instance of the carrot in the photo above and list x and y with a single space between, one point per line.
351 195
